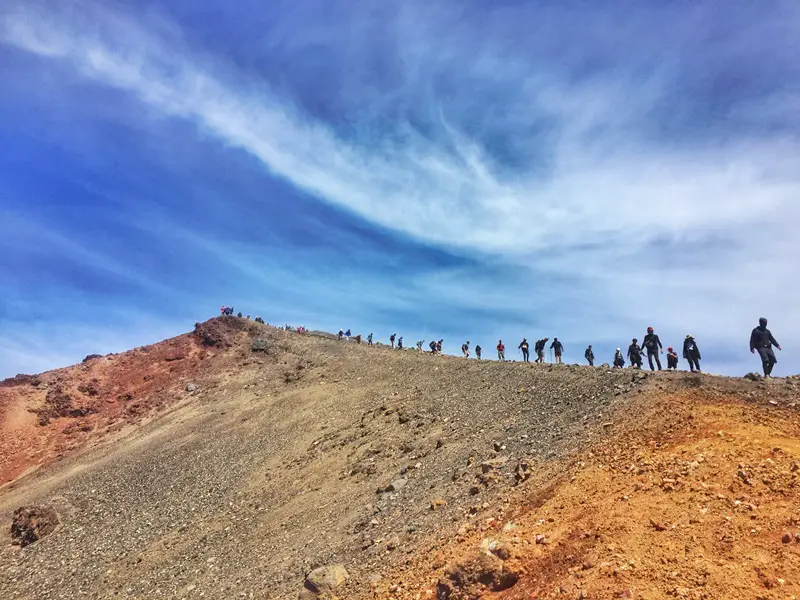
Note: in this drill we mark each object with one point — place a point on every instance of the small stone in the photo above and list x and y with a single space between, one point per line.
191 387
437 502
786 538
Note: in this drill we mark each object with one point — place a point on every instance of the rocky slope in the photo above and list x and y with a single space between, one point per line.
233 461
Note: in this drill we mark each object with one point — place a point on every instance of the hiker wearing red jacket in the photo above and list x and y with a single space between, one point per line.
501 351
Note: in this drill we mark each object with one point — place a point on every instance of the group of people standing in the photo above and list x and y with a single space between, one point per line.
652 347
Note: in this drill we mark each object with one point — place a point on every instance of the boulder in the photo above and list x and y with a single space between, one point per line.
324 580
31 523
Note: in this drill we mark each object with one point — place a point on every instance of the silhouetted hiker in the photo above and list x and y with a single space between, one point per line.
501 351
358 338
400 343
691 353
341 335
369 340
419 345
558 348
761 339
635 354
478 351
223 311
589 355
432 346
439 347
391 339
540 349
347 333
239 315
672 359
465 349
523 345
619 361
653 346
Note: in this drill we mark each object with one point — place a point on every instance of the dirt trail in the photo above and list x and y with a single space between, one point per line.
200 467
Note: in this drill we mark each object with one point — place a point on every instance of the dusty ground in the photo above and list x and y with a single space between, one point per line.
399 466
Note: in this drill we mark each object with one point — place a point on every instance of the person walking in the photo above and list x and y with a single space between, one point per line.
691 353
672 360
501 351
439 346
419 345
558 348
761 339
391 339
652 346
432 346
465 349
619 360
523 345
635 354
341 333
540 349
478 351
400 343
589 355
369 340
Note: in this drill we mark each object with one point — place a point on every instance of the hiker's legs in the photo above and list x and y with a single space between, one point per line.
650 357
767 361
525 356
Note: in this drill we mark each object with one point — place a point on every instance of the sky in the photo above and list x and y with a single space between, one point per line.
437 169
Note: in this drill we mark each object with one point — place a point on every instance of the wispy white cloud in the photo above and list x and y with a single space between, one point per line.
595 211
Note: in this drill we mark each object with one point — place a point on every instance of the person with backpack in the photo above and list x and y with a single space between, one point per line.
501 351
619 361
465 349
523 345
691 353
341 334
672 359
348 334
589 355
369 340
652 346
761 339
439 347
400 343
635 354
391 339
478 351
432 346
558 348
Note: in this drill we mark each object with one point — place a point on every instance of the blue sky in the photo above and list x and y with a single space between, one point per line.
456 170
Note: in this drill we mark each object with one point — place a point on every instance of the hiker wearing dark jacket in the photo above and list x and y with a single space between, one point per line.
539 347
523 345
652 346
558 348
478 351
619 360
691 353
635 354
761 339
432 346
391 339
589 355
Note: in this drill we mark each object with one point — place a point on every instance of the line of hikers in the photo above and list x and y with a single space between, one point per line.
761 341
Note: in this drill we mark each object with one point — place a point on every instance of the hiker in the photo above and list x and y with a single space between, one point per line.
358 338
672 359
635 354
341 334
465 349
239 315
439 346
540 349
369 340
589 355
432 346
558 348
501 351
653 346
691 353
419 345
619 361
391 339
523 345
478 351
347 333
247 317
400 343
223 311
761 339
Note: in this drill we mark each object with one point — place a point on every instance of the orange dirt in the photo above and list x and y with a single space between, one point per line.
702 502
47 416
